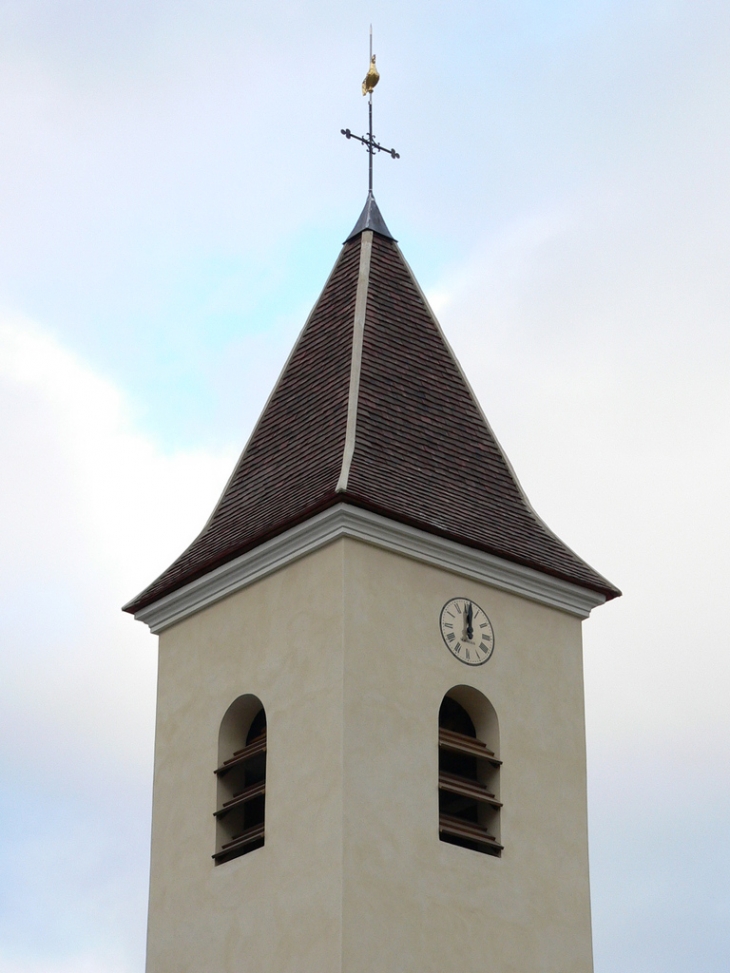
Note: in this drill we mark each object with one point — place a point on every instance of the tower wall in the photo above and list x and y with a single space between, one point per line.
343 649
277 909
411 902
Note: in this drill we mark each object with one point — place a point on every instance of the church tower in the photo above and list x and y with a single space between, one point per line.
370 750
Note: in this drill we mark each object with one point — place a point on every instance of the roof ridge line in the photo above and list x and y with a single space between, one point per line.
358 329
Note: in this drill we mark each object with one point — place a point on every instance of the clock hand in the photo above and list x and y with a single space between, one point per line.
469 626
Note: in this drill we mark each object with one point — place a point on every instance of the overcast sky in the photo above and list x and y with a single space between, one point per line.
173 193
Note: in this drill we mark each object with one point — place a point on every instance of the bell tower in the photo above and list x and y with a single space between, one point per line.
370 750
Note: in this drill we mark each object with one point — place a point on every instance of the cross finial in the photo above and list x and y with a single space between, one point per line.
371 79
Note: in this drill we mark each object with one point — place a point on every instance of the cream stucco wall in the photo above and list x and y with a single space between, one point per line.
278 908
343 648
411 902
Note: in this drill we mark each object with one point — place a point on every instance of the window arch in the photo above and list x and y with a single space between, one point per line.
469 767
241 776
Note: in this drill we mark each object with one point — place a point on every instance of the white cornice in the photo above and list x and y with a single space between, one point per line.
344 520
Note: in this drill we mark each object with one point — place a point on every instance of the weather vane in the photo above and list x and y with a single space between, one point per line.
371 79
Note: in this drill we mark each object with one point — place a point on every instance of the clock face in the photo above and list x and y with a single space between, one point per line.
467 631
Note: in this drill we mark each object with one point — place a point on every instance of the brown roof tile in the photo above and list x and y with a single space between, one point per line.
424 453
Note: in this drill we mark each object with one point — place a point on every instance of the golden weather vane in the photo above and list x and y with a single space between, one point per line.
371 79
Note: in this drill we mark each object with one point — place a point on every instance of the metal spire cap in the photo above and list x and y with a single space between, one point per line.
371 219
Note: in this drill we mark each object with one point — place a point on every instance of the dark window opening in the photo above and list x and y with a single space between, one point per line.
468 783
241 786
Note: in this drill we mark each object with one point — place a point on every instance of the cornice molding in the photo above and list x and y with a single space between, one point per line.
344 520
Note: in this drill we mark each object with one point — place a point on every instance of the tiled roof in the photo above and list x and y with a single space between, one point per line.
393 428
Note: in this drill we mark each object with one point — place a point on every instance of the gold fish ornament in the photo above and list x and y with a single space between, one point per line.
371 78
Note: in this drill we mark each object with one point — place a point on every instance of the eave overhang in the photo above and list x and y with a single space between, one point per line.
344 520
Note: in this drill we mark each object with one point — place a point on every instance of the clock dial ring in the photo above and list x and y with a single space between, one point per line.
467 631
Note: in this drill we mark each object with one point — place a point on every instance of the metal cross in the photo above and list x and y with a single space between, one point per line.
367 140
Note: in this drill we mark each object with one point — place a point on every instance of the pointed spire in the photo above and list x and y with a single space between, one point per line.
373 410
371 219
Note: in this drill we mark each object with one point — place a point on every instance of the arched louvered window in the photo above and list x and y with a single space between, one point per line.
241 776
469 769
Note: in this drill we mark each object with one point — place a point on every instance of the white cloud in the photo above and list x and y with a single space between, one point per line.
136 506
77 964
92 509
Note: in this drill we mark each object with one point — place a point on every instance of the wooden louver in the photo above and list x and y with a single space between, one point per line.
252 753
451 826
